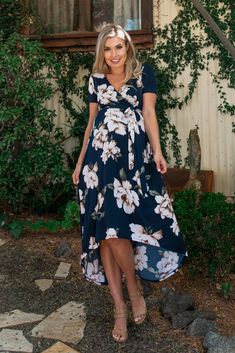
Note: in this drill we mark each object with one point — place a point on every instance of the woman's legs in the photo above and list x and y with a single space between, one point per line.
114 276
123 253
118 257
113 273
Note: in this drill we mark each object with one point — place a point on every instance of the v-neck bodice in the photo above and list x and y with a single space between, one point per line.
111 84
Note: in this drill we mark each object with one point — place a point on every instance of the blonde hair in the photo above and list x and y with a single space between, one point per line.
132 65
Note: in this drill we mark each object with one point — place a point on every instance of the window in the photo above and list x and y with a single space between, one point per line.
73 24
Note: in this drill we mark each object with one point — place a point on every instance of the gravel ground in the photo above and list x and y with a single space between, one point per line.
30 258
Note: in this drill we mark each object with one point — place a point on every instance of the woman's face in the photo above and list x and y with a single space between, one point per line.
115 53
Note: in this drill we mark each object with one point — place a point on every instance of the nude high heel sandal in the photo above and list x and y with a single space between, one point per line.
139 318
120 335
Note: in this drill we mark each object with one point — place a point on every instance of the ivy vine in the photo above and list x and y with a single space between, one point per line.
189 42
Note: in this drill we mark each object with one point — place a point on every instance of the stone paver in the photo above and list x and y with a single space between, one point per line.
18 317
60 347
14 341
62 270
3 241
65 324
44 284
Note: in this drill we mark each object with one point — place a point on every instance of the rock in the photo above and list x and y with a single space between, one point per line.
3 241
60 347
65 324
175 302
184 319
208 315
200 327
44 284
63 250
14 341
62 270
219 344
18 317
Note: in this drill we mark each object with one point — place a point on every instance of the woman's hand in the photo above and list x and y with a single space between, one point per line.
76 174
160 163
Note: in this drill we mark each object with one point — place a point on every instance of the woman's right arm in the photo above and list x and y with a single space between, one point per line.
93 110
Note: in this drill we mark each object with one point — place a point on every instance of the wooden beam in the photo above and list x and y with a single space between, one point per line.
86 41
213 25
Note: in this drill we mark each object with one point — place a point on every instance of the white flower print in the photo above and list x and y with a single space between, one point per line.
93 273
92 243
168 263
91 86
147 153
115 121
164 207
133 126
141 120
126 197
110 150
136 178
111 233
139 81
141 258
140 234
100 137
175 226
100 201
81 199
131 156
106 94
131 99
90 176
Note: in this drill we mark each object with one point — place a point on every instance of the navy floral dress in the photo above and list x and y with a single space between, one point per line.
121 193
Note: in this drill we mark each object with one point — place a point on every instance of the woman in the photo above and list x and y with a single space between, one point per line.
127 222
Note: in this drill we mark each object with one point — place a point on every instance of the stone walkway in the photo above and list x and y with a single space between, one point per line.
66 323
47 308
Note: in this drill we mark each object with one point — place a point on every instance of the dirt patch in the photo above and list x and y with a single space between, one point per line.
32 257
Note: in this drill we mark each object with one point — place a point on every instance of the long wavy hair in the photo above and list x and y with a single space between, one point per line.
132 65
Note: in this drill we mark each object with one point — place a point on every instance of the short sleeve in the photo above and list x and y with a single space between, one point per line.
149 80
92 90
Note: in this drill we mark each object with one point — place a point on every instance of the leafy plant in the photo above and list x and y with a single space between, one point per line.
207 222
226 289
32 168
10 18
71 216
73 66
189 43
16 228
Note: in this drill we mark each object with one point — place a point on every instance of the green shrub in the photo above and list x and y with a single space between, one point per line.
16 227
32 159
10 18
208 224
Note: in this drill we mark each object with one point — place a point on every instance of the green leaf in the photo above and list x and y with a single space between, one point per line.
16 229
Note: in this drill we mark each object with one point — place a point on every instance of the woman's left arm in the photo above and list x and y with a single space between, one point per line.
152 130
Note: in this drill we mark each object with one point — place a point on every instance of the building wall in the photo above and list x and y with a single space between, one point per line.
215 132
215 129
